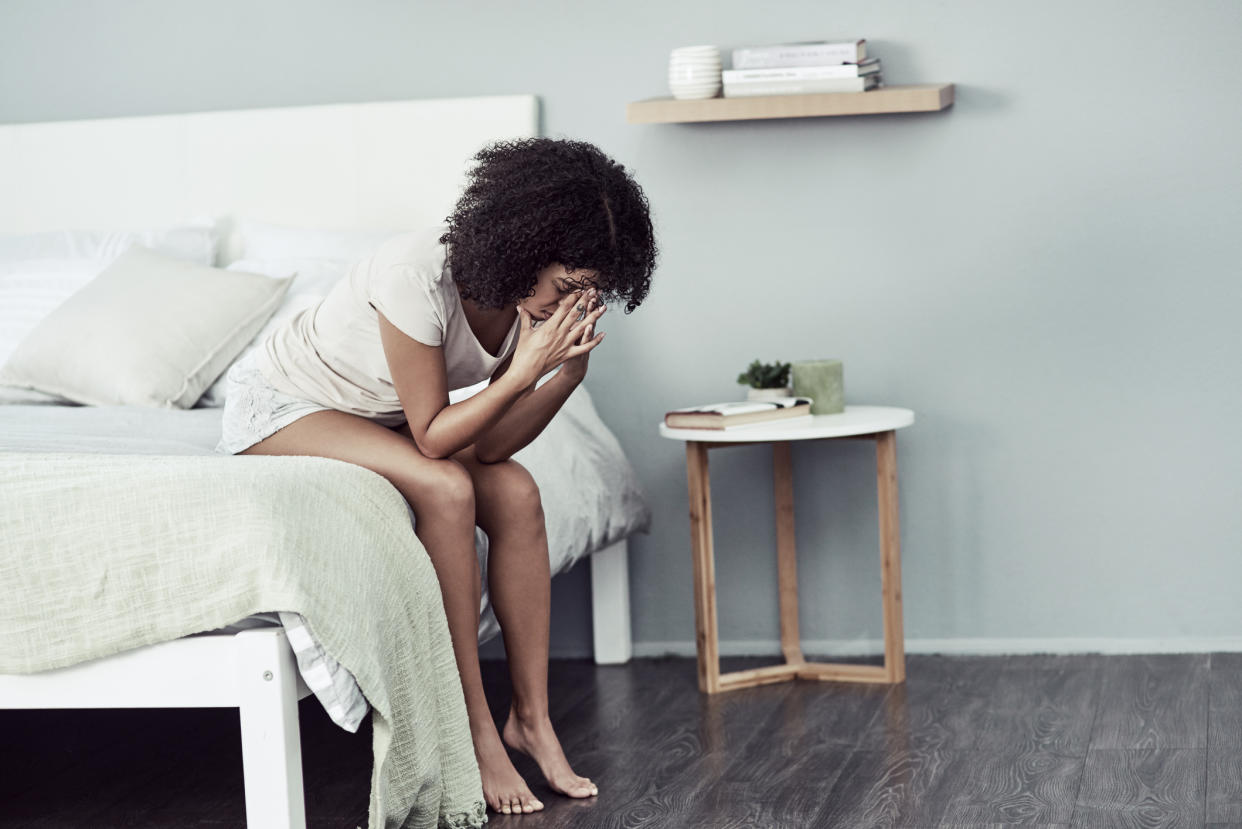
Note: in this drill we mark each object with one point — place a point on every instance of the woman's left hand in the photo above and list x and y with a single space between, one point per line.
575 368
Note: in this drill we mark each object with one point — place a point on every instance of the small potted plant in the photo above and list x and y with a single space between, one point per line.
766 380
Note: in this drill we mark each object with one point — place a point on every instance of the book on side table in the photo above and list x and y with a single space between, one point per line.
738 413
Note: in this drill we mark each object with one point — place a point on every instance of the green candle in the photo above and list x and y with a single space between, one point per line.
822 381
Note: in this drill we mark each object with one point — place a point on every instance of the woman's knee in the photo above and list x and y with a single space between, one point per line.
442 486
509 490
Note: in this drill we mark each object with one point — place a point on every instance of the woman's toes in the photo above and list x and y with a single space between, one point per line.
581 788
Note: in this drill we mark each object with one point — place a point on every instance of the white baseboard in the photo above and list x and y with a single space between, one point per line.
975 647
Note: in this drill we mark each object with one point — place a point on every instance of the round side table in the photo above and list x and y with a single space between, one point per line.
878 423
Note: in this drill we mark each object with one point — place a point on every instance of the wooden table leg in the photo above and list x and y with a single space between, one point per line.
786 553
890 556
706 635
894 670
711 680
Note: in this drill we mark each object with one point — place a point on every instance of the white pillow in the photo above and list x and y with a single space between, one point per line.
193 243
310 276
39 271
312 279
272 242
147 331
31 290
14 396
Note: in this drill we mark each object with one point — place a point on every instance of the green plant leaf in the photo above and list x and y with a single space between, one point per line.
761 375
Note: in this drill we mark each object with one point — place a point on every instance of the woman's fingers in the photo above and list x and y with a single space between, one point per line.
589 345
596 313
587 321
584 302
562 312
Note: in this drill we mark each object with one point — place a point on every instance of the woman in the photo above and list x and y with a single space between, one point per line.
545 231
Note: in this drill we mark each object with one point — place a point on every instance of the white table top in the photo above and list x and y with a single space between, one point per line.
855 420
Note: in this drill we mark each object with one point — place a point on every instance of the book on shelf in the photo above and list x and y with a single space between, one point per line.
810 53
870 66
738 413
741 89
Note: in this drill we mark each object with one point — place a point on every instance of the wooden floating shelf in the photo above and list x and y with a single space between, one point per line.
930 97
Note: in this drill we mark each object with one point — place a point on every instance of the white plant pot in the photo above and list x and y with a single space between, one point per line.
767 394
694 72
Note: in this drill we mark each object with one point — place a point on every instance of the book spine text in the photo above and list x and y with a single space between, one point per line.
811 54
741 90
799 73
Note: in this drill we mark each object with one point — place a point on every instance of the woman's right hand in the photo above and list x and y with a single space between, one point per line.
539 350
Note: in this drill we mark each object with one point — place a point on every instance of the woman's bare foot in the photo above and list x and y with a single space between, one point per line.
503 788
536 738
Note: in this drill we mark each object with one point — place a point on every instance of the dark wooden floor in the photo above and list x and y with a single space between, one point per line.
1090 741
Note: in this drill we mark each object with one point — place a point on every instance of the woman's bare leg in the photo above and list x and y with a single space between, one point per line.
508 508
442 495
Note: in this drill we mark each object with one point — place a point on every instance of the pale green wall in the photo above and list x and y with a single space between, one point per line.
1048 273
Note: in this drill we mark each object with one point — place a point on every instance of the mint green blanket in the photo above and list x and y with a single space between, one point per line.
104 553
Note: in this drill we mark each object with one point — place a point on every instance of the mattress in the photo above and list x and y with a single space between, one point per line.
123 430
590 494
112 430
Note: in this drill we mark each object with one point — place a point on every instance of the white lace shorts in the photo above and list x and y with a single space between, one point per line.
253 410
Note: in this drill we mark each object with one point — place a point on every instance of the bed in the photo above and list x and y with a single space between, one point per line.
268 183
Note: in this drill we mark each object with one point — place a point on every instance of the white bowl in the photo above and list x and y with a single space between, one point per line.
695 64
688 85
693 73
684 95
693 82
683 91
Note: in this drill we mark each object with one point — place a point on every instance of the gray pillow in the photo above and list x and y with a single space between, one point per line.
147 331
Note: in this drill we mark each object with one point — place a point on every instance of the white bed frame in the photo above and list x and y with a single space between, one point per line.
375 166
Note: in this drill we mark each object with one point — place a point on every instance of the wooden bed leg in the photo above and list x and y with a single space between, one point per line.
267 684
610 605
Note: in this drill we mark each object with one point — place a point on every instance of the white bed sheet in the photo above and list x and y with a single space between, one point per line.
124 430
590 495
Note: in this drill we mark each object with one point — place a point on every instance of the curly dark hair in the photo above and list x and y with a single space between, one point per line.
532 202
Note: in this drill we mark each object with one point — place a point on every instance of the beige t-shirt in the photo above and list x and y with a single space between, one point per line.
331 353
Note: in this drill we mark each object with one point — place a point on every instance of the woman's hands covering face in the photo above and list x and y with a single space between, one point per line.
567 337
576 367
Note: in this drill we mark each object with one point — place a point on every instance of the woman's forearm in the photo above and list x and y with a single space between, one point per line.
457 426
523 422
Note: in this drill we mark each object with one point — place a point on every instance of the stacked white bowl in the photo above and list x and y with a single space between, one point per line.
694 72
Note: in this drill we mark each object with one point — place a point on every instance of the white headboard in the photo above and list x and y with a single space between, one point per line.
387 165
